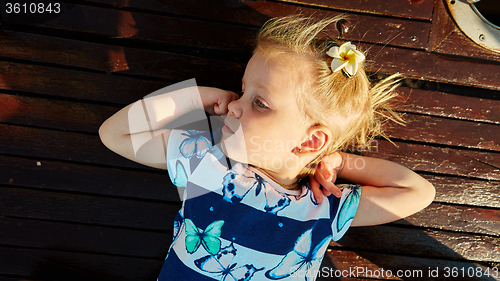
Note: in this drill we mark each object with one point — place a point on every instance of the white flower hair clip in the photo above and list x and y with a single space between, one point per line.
345 57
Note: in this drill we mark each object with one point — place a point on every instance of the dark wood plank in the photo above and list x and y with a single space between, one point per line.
464 133
415 9
436 159
60 145
402 33
415 268
75 208
41 48
457 43
54 114
428 243
235 11
491 159
56 265
364 27
113 23
85 179
450 105
27 233
442 25
126 60
457 218
433 67
3 278
459 190
74 84
375 29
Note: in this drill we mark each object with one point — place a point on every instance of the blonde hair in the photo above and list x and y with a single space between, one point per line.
349 106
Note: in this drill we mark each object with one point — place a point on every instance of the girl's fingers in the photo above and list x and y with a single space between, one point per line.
328 185
335 190
324 169
221 107
326 192
318 176
315 189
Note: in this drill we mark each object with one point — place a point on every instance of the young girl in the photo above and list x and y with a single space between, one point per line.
247 213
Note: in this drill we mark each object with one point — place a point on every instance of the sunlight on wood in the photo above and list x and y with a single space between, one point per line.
126 25
9 104
117 60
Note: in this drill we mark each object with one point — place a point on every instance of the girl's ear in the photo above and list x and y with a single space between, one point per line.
318 138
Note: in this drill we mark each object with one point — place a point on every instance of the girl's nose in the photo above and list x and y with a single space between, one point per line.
234 108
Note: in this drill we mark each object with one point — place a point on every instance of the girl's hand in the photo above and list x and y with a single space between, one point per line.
326 174
215 100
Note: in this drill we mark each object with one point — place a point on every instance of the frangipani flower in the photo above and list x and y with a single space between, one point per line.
347 57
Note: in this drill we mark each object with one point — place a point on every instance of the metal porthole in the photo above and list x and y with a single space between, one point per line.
474 24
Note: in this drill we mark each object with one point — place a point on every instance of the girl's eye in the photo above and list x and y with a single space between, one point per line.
260 104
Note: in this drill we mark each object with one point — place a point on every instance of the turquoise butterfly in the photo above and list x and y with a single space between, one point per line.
209 238
180 175
303 257
349 206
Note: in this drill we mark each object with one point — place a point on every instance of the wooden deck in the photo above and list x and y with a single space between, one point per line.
70 209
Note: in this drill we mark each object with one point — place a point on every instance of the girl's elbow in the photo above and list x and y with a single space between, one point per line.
107 136
432 193
427 193
103 134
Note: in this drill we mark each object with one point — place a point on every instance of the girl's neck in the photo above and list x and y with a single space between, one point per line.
289 181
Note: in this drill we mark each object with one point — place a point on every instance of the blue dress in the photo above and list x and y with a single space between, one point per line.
237 224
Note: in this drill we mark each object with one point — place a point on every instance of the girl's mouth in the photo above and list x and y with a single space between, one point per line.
226 128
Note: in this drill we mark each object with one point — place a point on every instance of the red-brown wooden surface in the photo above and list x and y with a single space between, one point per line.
71 209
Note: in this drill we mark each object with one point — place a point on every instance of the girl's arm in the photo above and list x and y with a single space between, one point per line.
138 132
390 191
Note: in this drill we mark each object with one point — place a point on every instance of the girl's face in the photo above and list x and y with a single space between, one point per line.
264 127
